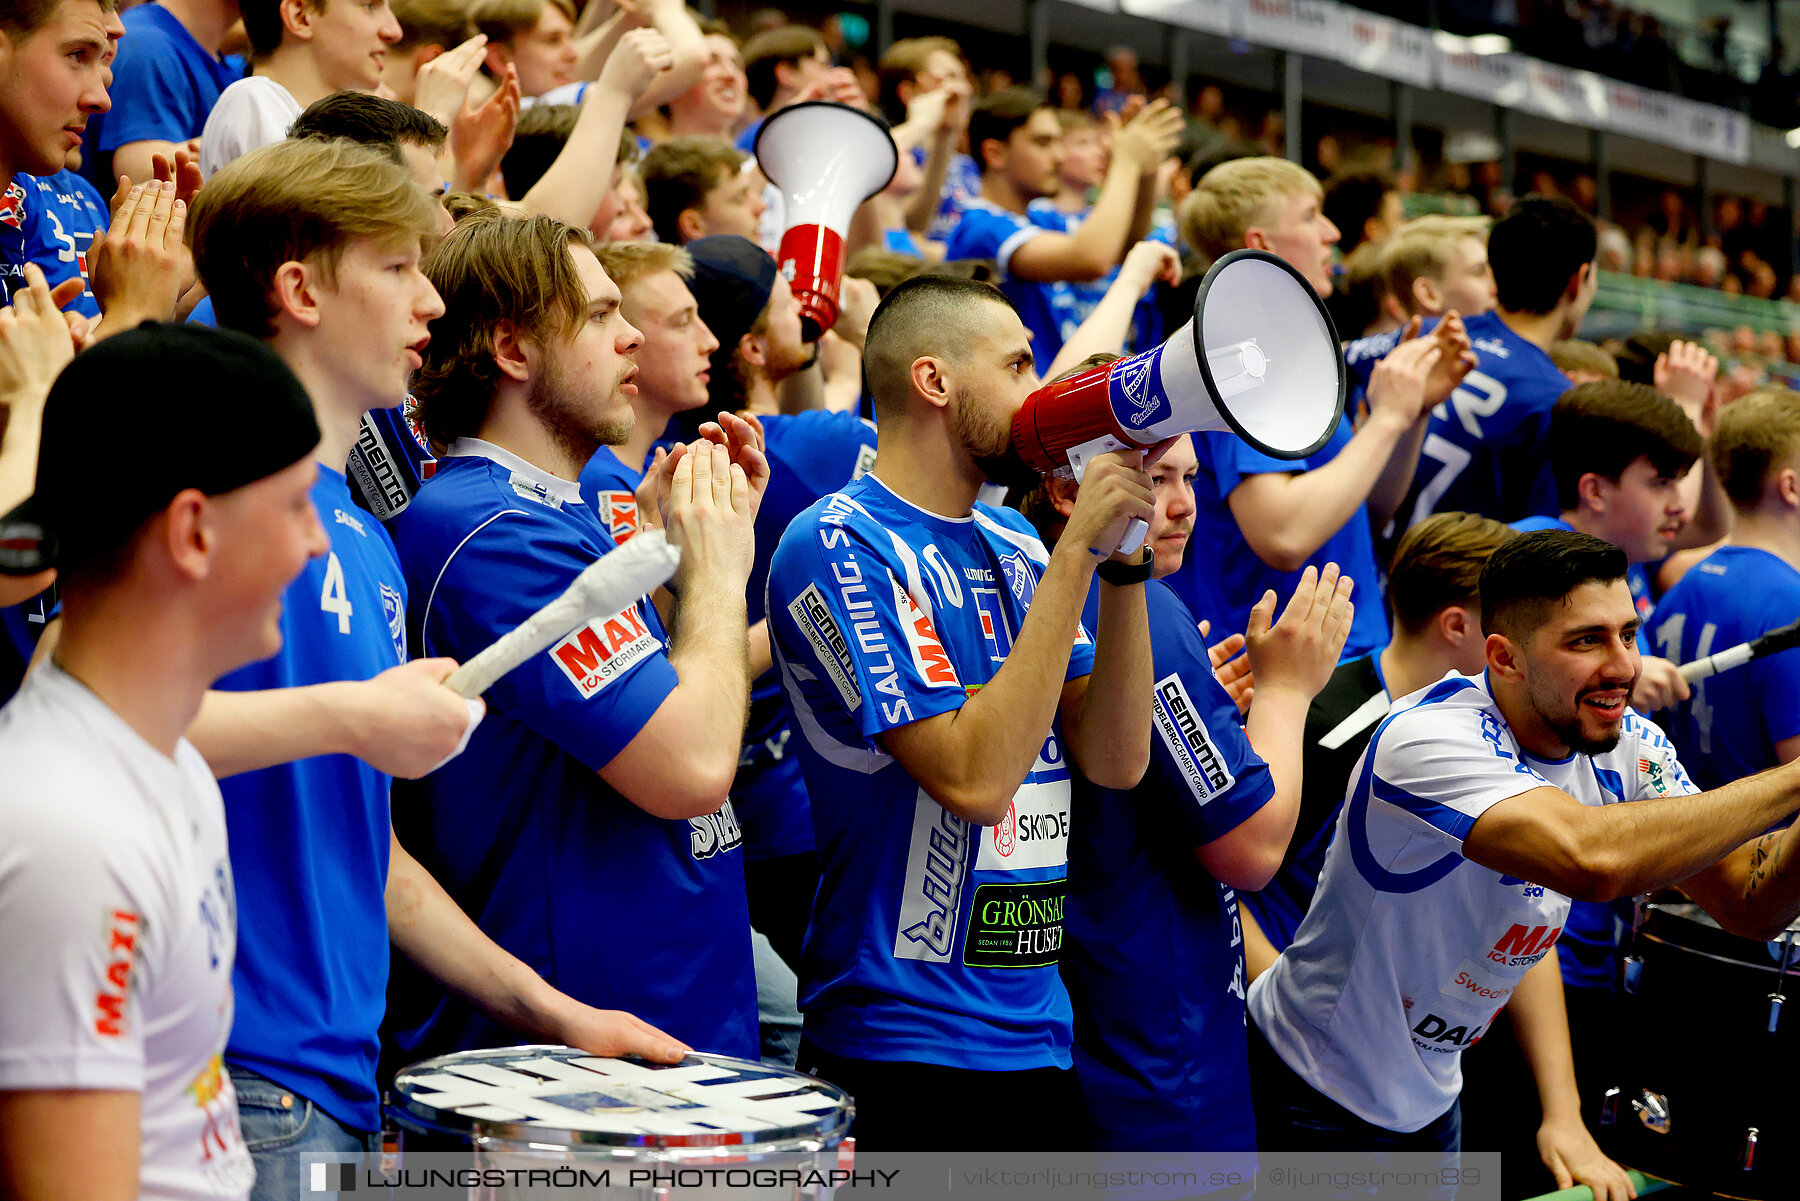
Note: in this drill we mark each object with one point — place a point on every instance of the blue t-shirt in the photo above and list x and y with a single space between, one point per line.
309 839
1232 573
1485 450
988 231
521 830
1155 955
932 939
203 313
50 220
1729 727
164 84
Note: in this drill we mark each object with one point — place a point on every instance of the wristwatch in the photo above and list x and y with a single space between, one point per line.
1121 574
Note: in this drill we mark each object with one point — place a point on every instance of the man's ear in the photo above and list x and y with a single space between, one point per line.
753 350
1456 624
1504 658
930 381
297 18
1427 297
1578 281
1061 493
424 54
186 536
992 153
1255 238
690 225
297 293
512 352
1787 487
1590 491
496 57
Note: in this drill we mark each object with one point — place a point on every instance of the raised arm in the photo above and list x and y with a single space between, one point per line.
575 185
1286 517
972 759
1099 244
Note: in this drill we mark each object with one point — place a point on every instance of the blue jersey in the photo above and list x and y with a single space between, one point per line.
1236 577
932 939
390 460
988 231
521 830
164 84
309 839
1729 727
1074 302
962 184
50 220
21 626
1155 956
609 485
810 455
1485 449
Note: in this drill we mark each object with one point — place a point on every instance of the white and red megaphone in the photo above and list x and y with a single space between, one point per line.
1259 358
826 159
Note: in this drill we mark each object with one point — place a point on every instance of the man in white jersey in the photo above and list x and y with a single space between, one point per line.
1482 804
117 909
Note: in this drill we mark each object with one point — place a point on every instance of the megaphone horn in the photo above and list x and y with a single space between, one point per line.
826 159
1259 358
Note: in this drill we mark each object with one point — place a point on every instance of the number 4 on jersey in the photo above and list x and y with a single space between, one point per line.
335 598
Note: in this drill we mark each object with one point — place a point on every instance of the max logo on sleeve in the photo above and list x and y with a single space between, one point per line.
928 655
603 650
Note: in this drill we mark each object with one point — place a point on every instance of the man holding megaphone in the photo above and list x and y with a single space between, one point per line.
943 685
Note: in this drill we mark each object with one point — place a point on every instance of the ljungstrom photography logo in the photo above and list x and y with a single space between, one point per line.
333 1178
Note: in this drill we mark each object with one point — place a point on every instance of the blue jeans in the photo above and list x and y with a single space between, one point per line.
1292 1115
280 1127
777 1012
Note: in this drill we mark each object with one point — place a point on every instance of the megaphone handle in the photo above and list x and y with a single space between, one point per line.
1138 529
1134 536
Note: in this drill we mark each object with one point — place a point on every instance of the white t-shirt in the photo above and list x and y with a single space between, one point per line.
1409 950
119 924
250 114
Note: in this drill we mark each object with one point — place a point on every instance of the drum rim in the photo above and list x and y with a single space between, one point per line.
825 1131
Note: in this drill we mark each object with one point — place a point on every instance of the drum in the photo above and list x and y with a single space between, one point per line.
709 1126
1702 1095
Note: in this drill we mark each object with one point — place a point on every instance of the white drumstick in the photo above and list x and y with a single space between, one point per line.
603 589
1775 641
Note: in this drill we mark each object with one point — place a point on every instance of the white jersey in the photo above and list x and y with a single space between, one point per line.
1409 950
119 921
251 113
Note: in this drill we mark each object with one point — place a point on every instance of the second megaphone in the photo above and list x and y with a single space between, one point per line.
826 159
1260 358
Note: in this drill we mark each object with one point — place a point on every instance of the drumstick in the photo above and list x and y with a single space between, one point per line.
1781 639
604 588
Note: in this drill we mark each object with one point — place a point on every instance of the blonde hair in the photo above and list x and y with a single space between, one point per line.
493 267
1234 196
1755 433
1421 249
292 202
628 262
